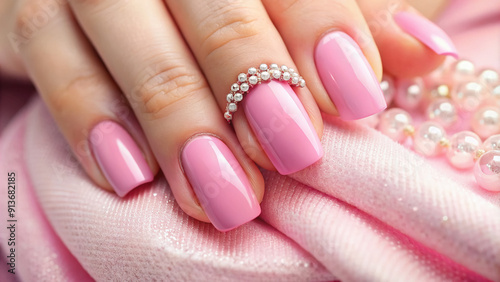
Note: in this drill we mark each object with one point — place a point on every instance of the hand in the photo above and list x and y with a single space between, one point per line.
137 84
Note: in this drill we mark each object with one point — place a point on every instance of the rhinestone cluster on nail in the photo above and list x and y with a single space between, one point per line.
254 76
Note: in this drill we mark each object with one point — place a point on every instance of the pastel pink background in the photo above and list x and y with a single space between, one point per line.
370 210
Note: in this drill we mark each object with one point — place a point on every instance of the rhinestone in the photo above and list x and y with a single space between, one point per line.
263 67
273 66
277 74
290 70
244 87
242 77
295 80
232 107
253 80
302 83
284 68
265 75
238 97
229 98
235 87
252 70
228 116
286 76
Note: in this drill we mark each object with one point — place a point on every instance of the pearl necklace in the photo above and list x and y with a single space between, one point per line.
456 98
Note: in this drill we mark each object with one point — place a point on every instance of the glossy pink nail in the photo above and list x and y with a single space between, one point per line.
282 126
119 157
426 32
347 77
219 182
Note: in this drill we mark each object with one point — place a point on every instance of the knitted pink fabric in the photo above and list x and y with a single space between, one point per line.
370 210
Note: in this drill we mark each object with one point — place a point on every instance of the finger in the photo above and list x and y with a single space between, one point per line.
409 44
85 103
196 149
331 42
229 37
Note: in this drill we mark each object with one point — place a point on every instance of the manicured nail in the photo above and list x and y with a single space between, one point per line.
219 182
426 32
348 77
282 126
119 157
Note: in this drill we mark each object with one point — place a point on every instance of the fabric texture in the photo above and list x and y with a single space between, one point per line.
370 210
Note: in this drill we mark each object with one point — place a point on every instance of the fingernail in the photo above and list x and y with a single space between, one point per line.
282 126
348 77
119 157
219 182
426 32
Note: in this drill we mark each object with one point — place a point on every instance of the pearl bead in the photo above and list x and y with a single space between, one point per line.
469 95
486 121
232 107
487 171
265 75
492 143
462 149
496 92
242 77
409 93
489 78
238 97
388 88
428 139
443 111
263 67
461 70
393 123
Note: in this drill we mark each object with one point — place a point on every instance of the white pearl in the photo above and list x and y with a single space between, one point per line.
409 93
461 70
443 111
265 75
284 68
238 97
302 83
489 78
242 77
492 143
232 107
388 88
286 76
290 70
393 123
274 66
235 87
276 74
252 70
487 171
462 149
244 87
428 139
263 67
295 80
253 80
229 97
469 95
486 121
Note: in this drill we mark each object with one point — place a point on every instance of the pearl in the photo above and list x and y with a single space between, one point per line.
265 75
302 83
273 66
486 121
253 80
232 107
441 91
276 74
462 149
489 78
443 111
394 122
388 88
263 67
487 171
492 143
496 92
244 87
252 71
235 87
229 97
242 77
295 80
461 70
409 93
428 139
469 95
284 68
238 97
290 70
286 76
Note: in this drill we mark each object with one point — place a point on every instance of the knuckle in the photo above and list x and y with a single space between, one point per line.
234 24
167 89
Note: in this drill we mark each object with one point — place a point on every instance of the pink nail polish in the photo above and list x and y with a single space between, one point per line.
282 127
119 157
347 77
426 32
219 182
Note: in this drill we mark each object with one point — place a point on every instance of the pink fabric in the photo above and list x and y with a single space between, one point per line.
375 212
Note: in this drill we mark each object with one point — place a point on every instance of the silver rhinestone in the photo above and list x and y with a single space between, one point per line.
238 97
232 107
290 70
286 76
295 80
235 87
242 77
277 74
263 67
244 87
228 116
302 83
252 70
273 66
229 98
253 80
284 68
265 75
